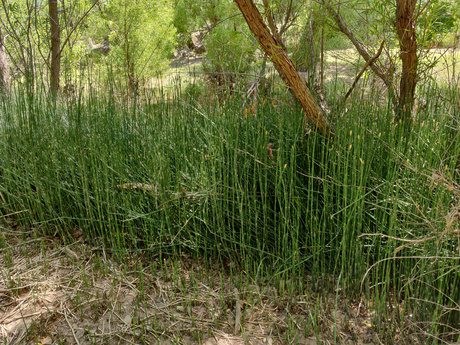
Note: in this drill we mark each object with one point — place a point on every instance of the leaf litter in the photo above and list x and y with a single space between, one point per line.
56 293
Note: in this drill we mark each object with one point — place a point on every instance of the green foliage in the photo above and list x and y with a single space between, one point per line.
227 39
140 33
188 16
230 50
25 33
438 19
368 21
141 37
192 15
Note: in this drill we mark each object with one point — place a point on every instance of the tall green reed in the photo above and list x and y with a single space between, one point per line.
247 184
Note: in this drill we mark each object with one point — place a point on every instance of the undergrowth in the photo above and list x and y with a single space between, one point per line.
376 209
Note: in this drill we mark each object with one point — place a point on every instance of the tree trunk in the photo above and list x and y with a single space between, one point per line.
405 28
312 64
283 64
55 46
4 67
321 85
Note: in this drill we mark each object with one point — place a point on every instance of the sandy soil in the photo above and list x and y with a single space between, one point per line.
55 293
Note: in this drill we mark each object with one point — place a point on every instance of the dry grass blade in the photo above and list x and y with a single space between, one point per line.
237 327
136 186
77 304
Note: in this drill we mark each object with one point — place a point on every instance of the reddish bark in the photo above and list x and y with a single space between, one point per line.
4 67
283 64
55 45
405 28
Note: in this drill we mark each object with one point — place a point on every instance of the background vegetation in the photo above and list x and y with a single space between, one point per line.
218 163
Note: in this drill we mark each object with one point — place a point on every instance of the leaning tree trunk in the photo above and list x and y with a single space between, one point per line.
405 28
4 67
283 64
55 46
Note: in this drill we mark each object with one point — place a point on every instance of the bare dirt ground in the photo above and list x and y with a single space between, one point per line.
55 293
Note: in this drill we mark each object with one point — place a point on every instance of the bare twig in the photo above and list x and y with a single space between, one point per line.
237 312
71 328
368 63
76 26
342 26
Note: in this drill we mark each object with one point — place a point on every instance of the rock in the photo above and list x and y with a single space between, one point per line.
197 40
101 48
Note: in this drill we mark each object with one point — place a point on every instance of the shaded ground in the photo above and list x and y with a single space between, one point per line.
51 293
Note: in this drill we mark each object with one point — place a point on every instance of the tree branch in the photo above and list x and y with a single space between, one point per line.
368 63
363 52
76 26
